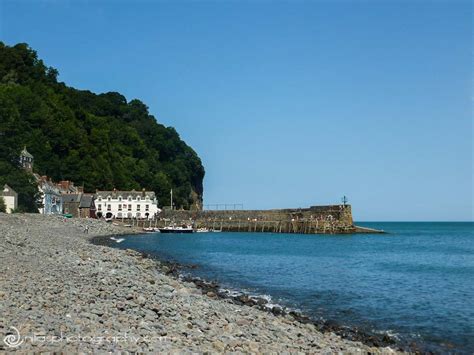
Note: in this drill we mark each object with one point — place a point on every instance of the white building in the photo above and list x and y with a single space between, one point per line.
126 204
10 197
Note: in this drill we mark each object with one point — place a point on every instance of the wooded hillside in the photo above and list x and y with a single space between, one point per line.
101 141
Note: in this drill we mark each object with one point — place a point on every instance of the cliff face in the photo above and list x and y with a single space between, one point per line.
101 141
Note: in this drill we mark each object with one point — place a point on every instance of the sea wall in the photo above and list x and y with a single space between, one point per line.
312 220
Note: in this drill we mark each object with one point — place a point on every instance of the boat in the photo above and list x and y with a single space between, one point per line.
149 230
207 230
176 229
202 230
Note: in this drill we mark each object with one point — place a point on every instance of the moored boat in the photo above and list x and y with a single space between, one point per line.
177 229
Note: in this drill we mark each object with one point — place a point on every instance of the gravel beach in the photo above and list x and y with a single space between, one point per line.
60 293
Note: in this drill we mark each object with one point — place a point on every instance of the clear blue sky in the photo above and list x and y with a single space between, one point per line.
289 104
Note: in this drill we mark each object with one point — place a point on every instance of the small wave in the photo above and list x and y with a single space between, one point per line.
272 305
267 298
230 292
265 301
390 333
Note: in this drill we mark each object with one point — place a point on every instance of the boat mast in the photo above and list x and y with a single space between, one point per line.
171 204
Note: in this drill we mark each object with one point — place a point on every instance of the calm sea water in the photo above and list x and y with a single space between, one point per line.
416 282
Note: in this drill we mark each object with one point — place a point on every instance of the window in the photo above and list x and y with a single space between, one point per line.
138 207
108 198
138 198
100 198
147 207
138 215
129 207
130 198
99 207
109 207
120 207
120 198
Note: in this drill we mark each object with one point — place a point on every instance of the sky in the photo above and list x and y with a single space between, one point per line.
288 103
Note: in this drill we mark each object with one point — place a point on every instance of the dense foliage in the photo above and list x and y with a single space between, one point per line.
100 141
3 206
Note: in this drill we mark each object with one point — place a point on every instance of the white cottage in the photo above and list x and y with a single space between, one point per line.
10 197
126 204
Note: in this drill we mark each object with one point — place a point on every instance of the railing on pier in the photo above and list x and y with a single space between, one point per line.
223 207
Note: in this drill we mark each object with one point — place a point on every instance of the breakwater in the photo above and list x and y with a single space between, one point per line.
331 219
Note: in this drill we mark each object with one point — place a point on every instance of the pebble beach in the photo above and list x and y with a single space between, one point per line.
61 293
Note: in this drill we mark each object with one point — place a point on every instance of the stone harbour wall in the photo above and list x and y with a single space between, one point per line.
312 220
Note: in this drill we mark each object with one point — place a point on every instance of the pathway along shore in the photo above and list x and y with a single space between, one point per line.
64 294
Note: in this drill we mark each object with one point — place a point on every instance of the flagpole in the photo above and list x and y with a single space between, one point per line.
171 205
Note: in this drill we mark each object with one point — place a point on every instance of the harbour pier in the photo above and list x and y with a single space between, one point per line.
331 219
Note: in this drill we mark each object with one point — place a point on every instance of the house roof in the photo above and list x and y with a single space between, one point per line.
49 187
125 194
25 153
8 191
86 201
67 186
71 198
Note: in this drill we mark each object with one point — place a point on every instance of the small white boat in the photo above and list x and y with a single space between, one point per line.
119 240
202 230
149 230
177 229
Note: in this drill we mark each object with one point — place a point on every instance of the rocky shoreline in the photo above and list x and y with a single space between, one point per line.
213 289
61 293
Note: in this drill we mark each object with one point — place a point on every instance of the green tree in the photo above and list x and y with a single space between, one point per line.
24 184
98 141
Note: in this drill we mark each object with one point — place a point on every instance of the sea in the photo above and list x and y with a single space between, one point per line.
415 283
